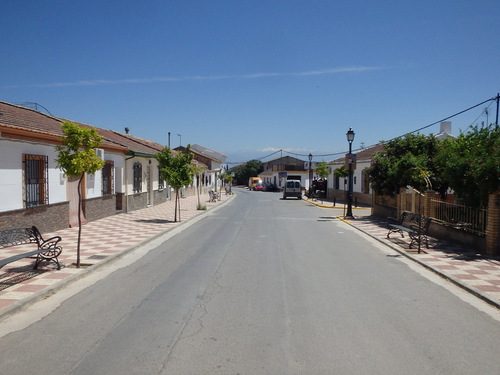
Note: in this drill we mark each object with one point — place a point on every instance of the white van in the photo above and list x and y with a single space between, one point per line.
292 189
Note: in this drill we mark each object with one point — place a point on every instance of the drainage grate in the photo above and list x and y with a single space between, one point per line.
7 283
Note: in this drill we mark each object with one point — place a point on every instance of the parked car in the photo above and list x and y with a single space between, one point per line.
292 188
259 187
270 187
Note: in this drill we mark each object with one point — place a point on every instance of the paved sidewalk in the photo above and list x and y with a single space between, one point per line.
476 273
102 240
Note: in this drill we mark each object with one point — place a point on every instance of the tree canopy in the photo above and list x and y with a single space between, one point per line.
470 164
407 160
77 156
243 172
176 170
322 170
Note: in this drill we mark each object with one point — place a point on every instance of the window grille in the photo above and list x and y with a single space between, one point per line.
137 177
161 184
35 175
107 178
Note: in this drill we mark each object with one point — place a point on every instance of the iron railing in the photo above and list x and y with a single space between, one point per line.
468 219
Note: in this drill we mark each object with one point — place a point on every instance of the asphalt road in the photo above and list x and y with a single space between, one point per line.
260 286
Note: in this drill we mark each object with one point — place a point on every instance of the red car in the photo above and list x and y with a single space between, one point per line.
259 187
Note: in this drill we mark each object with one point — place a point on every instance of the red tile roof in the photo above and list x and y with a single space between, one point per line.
20 120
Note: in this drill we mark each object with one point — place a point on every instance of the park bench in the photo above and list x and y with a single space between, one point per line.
213 196
46 249
416 225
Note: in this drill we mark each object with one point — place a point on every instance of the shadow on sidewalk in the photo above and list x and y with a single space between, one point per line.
377 226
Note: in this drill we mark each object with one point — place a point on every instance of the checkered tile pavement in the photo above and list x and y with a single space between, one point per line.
19 282
475 272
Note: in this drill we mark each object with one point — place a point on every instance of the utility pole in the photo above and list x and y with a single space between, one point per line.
498 100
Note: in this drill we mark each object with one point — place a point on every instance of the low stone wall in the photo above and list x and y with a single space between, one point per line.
444 232
136 201
47 218
100 207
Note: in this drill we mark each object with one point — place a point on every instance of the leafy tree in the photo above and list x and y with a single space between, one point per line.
250 169
76 157
470 164
227 177
197 170
407 160
322 170
341 172
177 171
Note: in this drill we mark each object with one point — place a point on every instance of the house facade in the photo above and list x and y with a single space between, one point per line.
34 191
278 170
214 164
362 191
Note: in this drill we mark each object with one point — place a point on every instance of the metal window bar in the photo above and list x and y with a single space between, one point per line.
107 178
468 219
36 190
137 177
160 181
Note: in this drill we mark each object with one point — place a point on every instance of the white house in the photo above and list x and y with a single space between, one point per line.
34 191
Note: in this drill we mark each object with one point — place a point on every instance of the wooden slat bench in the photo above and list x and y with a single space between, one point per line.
46 249
416 225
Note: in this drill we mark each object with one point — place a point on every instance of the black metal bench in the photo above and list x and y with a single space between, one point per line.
46 249
417 227
213 196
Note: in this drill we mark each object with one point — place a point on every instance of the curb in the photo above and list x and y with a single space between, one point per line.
449 278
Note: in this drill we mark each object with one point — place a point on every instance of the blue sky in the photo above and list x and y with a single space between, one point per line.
246 78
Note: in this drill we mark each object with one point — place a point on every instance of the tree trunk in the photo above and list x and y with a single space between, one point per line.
175 204
198 192
79 220
179 205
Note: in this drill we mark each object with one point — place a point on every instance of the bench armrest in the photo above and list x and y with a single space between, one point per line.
391 220
50 243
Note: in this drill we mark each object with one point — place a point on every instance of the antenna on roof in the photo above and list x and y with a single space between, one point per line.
34 106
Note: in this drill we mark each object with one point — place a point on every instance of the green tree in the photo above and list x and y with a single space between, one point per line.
341 172
177 171
243 172
407 160
197 170
76 157
470 164
322 170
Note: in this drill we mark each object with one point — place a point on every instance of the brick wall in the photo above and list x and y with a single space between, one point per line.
48 218
100 207
136 201
493 228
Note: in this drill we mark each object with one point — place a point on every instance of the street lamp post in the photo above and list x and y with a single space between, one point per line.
310 174
350 139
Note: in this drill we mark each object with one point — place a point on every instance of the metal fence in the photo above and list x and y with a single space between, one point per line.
468 219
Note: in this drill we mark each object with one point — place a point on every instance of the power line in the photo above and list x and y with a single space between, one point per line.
491 100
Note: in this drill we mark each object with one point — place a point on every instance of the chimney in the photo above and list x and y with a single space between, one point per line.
445 127
127 130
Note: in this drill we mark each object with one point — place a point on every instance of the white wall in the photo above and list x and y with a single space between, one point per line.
94 182
11 173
